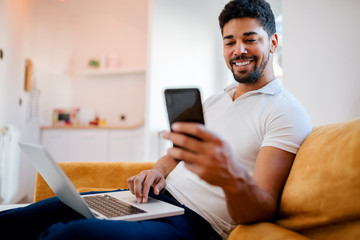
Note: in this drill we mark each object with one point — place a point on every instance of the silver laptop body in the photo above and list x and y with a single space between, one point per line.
66 192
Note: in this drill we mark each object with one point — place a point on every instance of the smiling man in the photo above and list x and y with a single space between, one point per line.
241 44
248 52
233 175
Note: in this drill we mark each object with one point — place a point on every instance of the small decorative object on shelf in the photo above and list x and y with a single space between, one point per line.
93 63
113 60
108 64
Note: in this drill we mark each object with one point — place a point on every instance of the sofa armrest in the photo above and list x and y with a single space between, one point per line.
93 175
264 230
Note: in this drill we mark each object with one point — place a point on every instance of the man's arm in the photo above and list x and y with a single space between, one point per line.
256 198
249 199
140 184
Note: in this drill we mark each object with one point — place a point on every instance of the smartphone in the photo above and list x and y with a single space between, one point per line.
184 105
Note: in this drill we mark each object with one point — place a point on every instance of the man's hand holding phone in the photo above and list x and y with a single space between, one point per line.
211 158
203 152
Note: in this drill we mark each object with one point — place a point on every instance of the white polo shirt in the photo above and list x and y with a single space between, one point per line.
269 116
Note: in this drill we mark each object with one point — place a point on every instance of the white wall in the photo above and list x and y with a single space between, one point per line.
15 16
121 28
17 41
185 51
3 83
67 34
38 30
321 57
54 44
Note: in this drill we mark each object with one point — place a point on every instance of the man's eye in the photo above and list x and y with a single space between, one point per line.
251 40
229 43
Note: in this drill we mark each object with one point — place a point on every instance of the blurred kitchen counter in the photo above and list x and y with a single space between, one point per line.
125 126
123 142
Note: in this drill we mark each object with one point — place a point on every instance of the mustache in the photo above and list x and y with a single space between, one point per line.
242 57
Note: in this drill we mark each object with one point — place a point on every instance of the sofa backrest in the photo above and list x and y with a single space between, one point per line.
323 187
97 176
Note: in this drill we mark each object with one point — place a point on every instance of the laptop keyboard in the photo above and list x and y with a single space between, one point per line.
110 206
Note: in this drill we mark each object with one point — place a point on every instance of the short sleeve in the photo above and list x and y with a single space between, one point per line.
287 126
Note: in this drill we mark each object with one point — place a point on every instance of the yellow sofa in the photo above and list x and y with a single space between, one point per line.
320 200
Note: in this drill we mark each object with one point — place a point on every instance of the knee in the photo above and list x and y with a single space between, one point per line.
77 229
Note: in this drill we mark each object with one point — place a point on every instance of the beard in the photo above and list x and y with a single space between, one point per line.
252 76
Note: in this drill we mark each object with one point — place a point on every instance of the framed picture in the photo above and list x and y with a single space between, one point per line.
65 116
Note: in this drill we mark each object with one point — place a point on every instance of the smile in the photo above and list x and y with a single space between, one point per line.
242 63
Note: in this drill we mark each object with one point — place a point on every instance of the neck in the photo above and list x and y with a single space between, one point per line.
264 79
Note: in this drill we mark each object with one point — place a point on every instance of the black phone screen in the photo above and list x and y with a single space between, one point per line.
184 105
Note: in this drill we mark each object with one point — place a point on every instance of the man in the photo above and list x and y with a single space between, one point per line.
234 175
260 126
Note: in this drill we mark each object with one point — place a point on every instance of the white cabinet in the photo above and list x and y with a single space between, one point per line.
88 145
120 146
56 142
126 145
94 145
138 145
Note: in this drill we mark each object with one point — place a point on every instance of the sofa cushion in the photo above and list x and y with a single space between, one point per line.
323 187
263 230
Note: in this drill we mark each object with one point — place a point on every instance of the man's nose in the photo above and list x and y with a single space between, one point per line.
240 49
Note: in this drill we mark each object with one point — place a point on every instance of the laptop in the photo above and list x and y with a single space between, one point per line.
118 205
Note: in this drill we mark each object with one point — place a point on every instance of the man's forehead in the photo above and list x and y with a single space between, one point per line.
243 27
245 34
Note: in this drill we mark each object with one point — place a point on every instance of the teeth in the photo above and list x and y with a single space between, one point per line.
242 63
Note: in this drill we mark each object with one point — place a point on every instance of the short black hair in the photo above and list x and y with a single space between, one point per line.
259 9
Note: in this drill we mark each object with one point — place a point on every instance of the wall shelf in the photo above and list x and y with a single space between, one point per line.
112 71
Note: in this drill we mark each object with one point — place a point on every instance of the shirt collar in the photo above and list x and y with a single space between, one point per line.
271 88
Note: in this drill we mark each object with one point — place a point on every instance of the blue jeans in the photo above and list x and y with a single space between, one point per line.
51 219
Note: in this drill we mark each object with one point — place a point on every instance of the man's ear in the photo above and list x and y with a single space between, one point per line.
274 41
